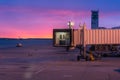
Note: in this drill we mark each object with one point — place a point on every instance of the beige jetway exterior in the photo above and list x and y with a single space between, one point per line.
84 36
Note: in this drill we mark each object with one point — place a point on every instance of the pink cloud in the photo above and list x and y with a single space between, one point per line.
43 12
39 23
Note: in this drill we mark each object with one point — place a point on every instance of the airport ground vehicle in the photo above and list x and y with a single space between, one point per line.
106 50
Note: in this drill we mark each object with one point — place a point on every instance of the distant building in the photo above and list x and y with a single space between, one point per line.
94 19
102 28
118 27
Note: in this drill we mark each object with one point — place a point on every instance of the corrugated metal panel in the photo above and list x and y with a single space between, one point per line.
98 36
90 37
80 42
110 36
78 36
105 33
118 36
76 39
113 36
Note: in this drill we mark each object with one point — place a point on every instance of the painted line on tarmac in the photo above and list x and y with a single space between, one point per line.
41 69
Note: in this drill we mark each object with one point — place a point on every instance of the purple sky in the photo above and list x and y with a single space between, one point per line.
37 18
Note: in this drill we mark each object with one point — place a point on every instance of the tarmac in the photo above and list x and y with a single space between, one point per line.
49 63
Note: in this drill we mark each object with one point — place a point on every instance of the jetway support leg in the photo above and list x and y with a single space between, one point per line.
84 52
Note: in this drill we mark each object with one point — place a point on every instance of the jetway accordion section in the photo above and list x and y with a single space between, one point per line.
96 36
102 36
77 39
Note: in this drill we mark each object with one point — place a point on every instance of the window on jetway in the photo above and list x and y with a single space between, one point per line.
62 38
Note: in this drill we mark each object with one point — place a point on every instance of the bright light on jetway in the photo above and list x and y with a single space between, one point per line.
70 24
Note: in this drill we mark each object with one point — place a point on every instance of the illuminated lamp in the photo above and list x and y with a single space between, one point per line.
70 24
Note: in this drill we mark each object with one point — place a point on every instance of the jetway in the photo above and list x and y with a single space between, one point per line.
96 36
84 37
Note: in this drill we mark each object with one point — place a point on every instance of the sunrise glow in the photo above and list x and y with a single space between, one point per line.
37 19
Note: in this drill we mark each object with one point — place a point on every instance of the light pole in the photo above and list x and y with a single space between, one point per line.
71 24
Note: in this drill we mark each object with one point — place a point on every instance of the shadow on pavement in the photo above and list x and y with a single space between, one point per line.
117 70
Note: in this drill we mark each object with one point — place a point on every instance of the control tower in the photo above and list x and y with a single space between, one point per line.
94 19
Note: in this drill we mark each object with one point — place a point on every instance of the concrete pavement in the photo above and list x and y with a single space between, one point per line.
49 63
